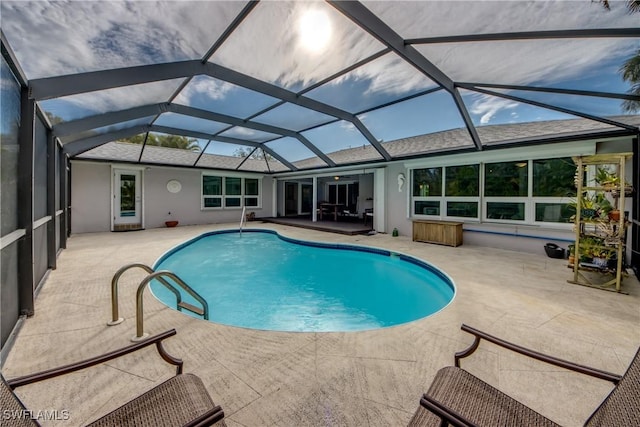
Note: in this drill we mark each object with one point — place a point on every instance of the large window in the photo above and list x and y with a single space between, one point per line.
251 192
211 191
462 190
521 191
427 191
220 192
506 187
427 182
457 195
553 187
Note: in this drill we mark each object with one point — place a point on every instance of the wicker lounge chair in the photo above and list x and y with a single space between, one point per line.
180 401
458 398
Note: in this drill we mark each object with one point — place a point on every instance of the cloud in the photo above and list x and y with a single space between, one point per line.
54 38
202 85
517 62
487 107
266 45
348 126
92 103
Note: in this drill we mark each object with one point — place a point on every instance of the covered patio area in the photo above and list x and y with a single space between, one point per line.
350 227
371 378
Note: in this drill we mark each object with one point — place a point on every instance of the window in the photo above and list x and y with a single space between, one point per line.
232 187
462 209
211 191
553 187
423 207
554 178
230 192
344 193
507 179
251 192
522 191
427 191
503 182
462 189
463 180
427 182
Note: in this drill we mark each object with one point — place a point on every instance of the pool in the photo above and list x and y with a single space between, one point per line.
261 280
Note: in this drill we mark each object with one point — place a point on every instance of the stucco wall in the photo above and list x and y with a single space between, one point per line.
90 197
396 216
91 193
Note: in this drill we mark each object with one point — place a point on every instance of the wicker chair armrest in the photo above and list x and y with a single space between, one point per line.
479 335
445 413
208 418
62 370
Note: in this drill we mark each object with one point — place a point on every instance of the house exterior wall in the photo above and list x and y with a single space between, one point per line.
517 237
91 192
91 198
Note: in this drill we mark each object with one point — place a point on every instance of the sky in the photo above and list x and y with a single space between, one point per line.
274 44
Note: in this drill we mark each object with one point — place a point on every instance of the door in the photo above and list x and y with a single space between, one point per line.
306 198
127 197
291 198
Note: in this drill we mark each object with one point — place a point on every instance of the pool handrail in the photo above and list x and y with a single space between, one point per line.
243 218
115 319
140 335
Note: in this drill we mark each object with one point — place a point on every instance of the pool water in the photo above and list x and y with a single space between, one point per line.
261 280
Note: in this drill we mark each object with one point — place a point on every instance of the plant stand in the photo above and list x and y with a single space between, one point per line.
600 235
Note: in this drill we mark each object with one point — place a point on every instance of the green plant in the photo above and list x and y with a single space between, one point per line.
597 203
606 178
603 205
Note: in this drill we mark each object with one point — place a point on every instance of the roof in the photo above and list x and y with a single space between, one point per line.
318 84
440 142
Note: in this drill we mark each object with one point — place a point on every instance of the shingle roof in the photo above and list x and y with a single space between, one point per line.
445 141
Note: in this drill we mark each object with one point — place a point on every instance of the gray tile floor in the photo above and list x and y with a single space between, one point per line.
372 378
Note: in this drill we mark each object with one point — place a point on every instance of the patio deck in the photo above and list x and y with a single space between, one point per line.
342 226
371 378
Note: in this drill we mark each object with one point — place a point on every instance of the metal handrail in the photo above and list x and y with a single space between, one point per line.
140 335
243 218
115 319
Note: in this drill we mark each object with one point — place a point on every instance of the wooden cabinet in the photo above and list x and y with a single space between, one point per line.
440 232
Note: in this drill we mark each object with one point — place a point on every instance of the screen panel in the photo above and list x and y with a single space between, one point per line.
211 94
413 19
110 35
10 128
383 80
278 47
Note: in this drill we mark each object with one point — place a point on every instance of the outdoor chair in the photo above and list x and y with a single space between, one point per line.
458 398
368 214
182 400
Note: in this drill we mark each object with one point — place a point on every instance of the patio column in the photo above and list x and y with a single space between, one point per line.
314 206
379 203
25 203
51 200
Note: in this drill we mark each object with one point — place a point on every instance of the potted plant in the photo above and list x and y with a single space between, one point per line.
170 222
588 207
614 215
606 179
572 253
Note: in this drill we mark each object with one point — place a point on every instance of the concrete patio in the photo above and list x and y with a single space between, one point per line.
372 378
